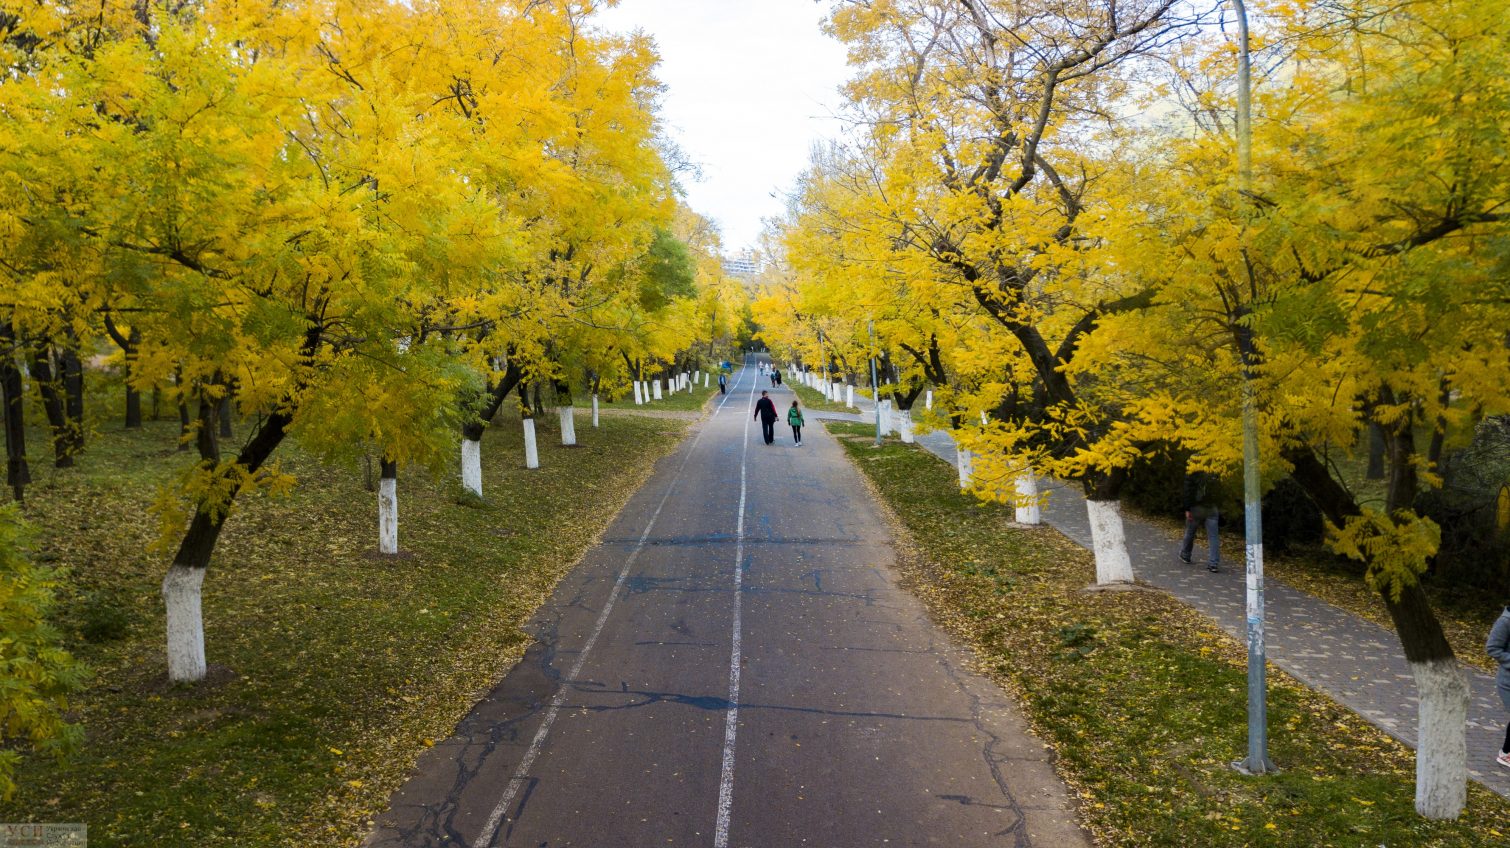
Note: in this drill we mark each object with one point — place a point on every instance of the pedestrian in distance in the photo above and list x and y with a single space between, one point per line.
1498 647
765 410
723 384
794 418
776 376
1202 493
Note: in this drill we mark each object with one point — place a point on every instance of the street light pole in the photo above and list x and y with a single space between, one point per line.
875 386
1258 761
822 362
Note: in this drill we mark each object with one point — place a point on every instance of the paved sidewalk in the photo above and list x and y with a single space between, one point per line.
1329 649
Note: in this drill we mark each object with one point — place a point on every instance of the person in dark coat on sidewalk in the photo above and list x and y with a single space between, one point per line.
765 410
1201 495
1498 647
723 384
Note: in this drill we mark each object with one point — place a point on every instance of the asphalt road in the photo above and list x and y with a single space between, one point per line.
735 665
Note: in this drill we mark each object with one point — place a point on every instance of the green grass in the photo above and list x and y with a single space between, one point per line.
1143 698
812 398
332 667
682 401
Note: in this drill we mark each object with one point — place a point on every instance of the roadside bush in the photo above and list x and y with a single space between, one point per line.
36 675
1291 519
1474 553
1155 485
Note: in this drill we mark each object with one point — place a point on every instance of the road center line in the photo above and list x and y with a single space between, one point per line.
731 717
521 774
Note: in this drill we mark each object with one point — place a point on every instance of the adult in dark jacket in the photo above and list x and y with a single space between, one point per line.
765 410
1202 493
1498 647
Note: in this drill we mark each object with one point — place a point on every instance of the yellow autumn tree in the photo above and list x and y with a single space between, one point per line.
1361 282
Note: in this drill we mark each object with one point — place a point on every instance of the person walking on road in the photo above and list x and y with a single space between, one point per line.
765 410
1498 647
775 375
794 418
723 384
1201 496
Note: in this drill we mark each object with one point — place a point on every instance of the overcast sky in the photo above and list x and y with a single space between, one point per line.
751 84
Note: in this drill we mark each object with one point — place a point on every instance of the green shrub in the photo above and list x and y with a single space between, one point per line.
102 618
36 675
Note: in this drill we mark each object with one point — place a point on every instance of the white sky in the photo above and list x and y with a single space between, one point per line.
751 84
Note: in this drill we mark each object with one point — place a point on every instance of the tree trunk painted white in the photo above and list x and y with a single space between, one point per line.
966 465
388 514
594 410
531 452
1028 511
697 377
655 388
886 424
471 466
849 397
1109 541
904 426
929 402
181 589
983 421
1442 749
568 416
688 383
639 397
706 378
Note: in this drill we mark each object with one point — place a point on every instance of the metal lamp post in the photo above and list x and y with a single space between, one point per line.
875 386
1258 761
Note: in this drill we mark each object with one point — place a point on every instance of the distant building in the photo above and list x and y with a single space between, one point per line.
742 265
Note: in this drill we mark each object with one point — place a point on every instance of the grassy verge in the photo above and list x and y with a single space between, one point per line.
814 399
1143 698
682 401
332 667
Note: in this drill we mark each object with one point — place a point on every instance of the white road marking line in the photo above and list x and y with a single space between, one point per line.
490 830
731 717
